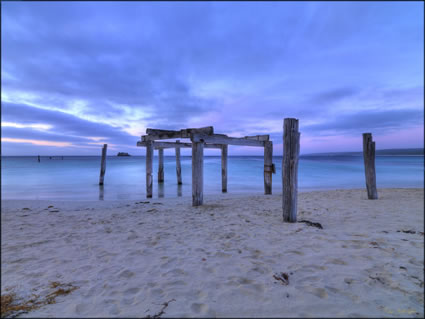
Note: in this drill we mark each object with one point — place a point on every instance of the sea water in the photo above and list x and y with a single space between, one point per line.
77 178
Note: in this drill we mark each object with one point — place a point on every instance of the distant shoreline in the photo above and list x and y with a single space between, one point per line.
301 155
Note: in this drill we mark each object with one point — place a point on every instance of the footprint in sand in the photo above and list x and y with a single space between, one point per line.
308 268
296 252
199 307
126 274
201 294
332 289
176 283
244 281
416 244
131 291
336 261
357 244
261 269
309 279
86 268
413 261
260 288
157 292
113 309
127 301
319 292
132 236
176 272
221 254
82 308
209 270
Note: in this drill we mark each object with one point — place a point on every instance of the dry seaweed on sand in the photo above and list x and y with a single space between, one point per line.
11 306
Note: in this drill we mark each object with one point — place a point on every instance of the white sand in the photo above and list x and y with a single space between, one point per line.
219 259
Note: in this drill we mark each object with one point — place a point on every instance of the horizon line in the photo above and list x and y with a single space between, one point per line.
316 153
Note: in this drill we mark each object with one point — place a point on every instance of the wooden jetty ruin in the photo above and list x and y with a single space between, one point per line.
200 138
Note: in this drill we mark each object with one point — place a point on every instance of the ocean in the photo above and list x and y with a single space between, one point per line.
77 178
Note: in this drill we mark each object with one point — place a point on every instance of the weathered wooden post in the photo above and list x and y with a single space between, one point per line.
178 165
161 190
103 164
369 164
160 165
268 167
101 192
39 158
149 159
224 149
197 173
291 150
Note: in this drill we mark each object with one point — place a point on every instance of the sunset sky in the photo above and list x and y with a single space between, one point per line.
76 75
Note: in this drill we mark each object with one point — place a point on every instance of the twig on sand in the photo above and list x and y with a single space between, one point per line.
283 277
161 312
409 231
309 223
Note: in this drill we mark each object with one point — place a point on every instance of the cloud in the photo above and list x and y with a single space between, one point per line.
36 142
372 121
114 68
63 127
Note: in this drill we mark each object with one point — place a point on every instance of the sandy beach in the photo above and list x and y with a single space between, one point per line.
231 257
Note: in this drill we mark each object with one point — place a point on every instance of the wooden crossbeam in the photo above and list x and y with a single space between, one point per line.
159 145
224 139
186 145
162 145
208 130
155 134
259 137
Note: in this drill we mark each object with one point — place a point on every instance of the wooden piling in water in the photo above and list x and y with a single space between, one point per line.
197 173
161 165
268 167
291 150
101 192
369 164
39 158
178 165
149 177
161 191
103 164
224 149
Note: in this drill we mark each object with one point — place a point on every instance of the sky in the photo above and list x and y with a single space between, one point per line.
76 75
